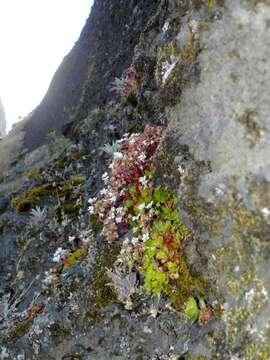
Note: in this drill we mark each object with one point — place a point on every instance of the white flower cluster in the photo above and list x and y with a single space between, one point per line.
142 157
58 253
145 237
118 155
143 206
143 180
105 177
50 278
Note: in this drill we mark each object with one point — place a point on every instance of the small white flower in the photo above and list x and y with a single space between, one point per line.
134 218
145 237
141 206
85 241
92 200
132 141
134 241
118 220
103 191
266 212
181 169
119 210
143 180
71 239
91 209
113 198
149 205
249 295
105 175
142 157
118 155
166 26
57 254
113 209
111 166
264 292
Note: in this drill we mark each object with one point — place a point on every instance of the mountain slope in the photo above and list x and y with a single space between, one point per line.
143 233
103 51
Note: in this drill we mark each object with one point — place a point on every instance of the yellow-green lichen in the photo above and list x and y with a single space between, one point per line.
100 294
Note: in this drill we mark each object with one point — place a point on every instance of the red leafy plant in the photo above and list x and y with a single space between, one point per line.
35 310
130 163
127 84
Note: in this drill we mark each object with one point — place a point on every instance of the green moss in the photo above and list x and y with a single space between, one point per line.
64 189
33 174
74 257
101 294
261 353
20 329
188 285
95 223
90 69
37 192
59 332
70 209
21 204
190 356
211 4
192 309
73 355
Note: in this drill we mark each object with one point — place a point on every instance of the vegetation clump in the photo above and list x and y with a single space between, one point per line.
60 191
142 218
127 85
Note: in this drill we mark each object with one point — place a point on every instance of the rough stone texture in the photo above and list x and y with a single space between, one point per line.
2 120
223 121
203 71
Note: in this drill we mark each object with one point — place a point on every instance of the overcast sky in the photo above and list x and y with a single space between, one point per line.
35 35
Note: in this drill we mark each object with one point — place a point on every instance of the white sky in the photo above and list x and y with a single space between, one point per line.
35 35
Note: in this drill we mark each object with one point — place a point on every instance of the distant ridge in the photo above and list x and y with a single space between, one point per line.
103 51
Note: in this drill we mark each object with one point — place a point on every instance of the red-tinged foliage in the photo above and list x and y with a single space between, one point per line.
35 310
206 314
130 83
134 158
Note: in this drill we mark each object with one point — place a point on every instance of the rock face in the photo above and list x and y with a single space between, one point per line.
102 52
202 72
2 120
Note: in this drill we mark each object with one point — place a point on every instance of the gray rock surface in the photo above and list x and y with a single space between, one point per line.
203 72
223 121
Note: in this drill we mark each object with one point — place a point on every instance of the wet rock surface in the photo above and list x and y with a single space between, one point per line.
202 71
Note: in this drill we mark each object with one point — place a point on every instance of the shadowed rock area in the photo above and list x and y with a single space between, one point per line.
142 232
